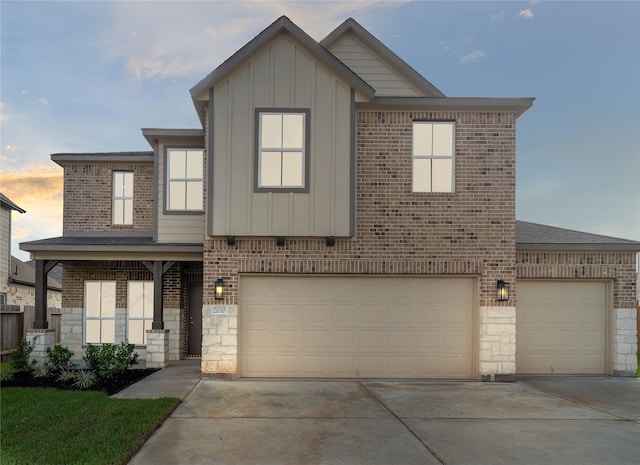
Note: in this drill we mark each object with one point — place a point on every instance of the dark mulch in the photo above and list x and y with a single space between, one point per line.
108 385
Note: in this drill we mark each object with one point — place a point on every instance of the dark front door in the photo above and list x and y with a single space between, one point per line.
195 320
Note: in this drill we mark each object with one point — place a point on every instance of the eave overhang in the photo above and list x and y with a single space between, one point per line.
516 105
110 248
109 157
153 135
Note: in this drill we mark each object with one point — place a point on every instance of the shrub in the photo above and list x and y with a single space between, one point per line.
85 379
6 376
67 376
21 357
110 360
59 359
42 372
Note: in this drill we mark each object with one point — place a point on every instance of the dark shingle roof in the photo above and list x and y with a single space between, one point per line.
25 273
107 243
533 236
8 203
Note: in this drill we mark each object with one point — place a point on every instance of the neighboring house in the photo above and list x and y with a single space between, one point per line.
17 279
335 216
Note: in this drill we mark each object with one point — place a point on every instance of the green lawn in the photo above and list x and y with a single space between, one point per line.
48 426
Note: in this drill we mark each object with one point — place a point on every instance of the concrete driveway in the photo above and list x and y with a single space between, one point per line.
533 421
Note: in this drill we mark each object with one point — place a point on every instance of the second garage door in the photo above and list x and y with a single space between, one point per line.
360 327
560 327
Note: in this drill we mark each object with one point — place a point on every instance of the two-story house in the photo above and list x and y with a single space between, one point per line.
336 215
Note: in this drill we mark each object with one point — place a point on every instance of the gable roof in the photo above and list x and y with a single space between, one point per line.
283 24
533 236
6 202
381 50
25 274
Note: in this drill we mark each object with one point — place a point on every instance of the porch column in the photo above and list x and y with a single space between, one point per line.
158 268
158 322
42 270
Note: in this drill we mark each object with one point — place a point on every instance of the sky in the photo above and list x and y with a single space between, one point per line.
86 76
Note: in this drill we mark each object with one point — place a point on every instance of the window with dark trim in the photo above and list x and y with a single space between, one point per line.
433 156
185 171
282 150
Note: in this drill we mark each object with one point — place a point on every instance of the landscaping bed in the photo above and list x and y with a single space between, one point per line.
109 386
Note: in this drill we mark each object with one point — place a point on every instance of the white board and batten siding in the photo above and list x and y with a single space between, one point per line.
281 75
181 228
384 79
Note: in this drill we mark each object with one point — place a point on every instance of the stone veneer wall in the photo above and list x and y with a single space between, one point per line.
470 232
77 272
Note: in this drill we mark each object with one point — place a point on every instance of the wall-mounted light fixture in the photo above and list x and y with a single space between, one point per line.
231 240
280 241
502 291
219 289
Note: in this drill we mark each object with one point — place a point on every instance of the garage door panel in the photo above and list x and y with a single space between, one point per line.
560 327
356 327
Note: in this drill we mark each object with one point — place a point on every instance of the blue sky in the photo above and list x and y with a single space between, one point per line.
86 76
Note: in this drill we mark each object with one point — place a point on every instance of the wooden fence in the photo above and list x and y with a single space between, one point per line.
15 321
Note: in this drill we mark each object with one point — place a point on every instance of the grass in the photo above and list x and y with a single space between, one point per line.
49 426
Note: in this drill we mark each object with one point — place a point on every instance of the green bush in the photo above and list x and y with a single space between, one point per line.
85 379
109 360
59 359
21 357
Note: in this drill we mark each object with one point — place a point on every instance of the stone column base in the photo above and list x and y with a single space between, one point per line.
44 338
157 348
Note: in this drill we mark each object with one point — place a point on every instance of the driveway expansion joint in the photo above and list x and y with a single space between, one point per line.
373 397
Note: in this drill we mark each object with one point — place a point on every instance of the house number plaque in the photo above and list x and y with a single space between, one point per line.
219 310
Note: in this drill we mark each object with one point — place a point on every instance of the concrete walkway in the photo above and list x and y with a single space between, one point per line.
533 421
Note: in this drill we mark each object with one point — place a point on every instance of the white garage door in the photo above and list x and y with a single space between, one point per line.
560 327
356 327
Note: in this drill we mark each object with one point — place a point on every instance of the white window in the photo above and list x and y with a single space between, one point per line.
282 149
3 298
433 160
122 197
184 179
139 311
99 312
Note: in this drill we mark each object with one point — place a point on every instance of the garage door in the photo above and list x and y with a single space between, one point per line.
560 328
355 327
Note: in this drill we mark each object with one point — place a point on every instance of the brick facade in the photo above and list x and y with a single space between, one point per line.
469 232
88 191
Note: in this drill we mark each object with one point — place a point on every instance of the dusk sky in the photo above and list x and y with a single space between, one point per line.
87 76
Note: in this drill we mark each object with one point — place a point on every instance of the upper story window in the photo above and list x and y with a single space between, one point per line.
185 167
433 156
122 197
282 151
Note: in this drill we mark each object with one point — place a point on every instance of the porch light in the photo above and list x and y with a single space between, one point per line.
219 289
502 291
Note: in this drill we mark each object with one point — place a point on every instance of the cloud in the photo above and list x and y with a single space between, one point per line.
498 18
473 57
43 101
207 33
37 188
526 14
3 115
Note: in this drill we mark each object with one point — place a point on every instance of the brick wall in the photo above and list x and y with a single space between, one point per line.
471 231
88 191
619 266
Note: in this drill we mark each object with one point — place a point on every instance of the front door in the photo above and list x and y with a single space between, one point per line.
195 320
